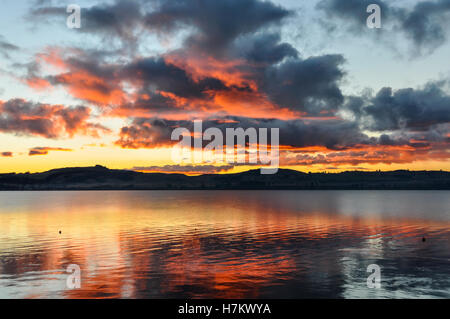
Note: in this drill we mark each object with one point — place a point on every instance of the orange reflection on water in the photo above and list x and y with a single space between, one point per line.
153 244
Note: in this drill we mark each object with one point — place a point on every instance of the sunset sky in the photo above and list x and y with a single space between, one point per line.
344 96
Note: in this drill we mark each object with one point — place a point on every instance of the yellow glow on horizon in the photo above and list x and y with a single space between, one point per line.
88 152
117 158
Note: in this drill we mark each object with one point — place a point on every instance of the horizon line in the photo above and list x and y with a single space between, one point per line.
220 173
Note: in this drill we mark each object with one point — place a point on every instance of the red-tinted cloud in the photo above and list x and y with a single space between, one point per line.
19 116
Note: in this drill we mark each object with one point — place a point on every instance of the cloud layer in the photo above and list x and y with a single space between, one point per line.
232 68
50 121
424 23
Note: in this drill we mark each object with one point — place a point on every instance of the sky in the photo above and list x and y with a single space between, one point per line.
343 96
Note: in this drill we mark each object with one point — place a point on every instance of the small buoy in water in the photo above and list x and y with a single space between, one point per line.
423 239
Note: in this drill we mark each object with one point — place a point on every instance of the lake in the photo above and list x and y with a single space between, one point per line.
225 244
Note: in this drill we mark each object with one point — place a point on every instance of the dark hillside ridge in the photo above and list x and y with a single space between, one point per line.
102 178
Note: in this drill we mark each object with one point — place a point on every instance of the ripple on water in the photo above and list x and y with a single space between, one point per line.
253 244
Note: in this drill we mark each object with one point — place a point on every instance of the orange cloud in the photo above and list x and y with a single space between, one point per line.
19 116
85 86
38 84
201 66
364 154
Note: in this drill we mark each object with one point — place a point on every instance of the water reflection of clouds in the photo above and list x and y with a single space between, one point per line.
242 244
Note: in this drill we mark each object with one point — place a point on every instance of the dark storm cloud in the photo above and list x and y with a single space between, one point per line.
156 72
149 133
307 85
410 109
121 18
338 134
215 25
330 134
92 63
264 48
157 103
218 23
51 121
425 24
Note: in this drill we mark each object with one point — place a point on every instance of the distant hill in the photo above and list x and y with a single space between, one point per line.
102 178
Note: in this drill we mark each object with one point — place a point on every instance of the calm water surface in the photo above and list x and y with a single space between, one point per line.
225 244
